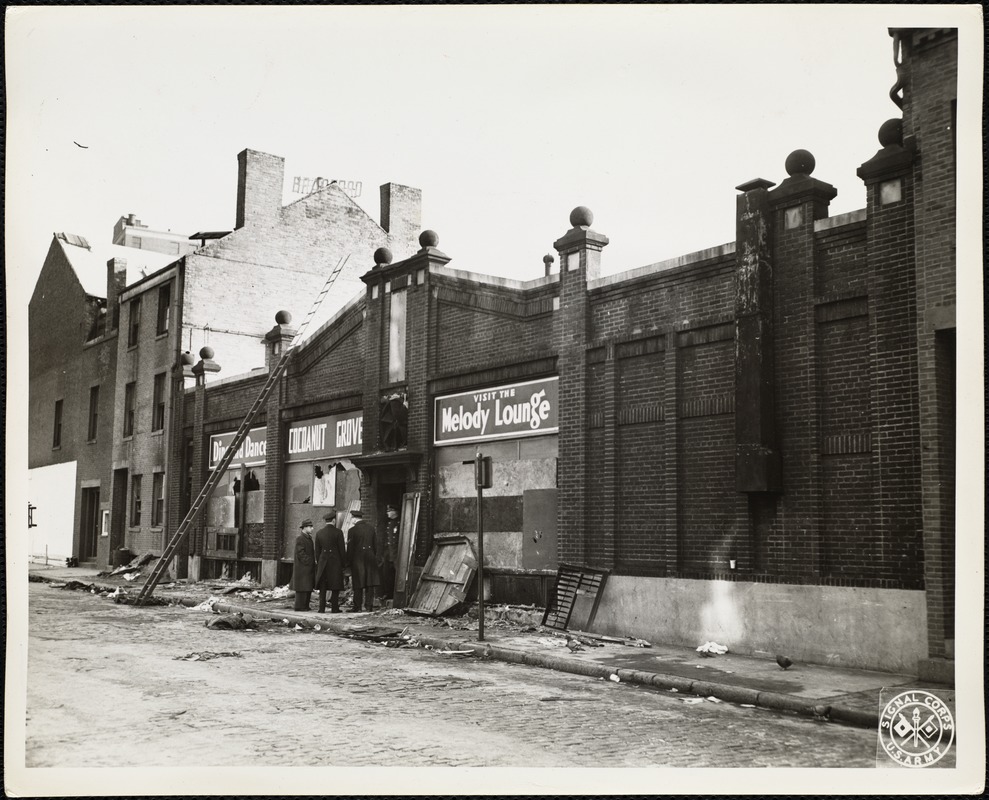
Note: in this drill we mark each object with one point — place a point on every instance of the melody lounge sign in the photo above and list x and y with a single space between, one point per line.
519 409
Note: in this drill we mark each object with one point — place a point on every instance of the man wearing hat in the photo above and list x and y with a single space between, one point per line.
387 547
363 559
304 567
330 559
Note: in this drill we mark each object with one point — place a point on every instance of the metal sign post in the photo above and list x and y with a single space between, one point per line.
482 480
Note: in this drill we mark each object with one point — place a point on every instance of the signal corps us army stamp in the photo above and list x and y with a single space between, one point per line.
916 729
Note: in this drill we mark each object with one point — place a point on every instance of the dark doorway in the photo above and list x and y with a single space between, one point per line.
389 494
89 528
118 510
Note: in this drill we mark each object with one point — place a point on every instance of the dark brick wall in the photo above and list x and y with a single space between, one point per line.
850 536
647 366
705 483
931 90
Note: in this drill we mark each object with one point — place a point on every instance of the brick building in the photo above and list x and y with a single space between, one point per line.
755 440
73 363
129 330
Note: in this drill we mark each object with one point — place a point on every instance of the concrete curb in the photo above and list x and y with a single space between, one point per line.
722 691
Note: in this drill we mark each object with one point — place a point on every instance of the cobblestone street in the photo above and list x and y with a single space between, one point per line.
106 688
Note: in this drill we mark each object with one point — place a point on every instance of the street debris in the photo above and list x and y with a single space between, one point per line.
76 586
690 701
231 622
712 649
207 605
554 699
206 655
389 637
784 662
592 639
131 569
712 699
614 678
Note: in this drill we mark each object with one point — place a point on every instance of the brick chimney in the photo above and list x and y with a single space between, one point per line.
116 281
260 179
401 217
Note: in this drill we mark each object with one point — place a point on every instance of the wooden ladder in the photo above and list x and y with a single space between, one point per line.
215 476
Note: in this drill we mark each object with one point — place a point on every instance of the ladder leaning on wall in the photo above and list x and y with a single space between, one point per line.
214 478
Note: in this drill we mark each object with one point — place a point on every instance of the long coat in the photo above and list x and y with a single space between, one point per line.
363 557
304 570
386 543
330 558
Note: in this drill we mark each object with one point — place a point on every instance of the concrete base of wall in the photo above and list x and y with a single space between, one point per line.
269 573
882 629
937 670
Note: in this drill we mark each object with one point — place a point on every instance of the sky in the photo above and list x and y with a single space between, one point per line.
505 117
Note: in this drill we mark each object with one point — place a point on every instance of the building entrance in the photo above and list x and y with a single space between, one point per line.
89 524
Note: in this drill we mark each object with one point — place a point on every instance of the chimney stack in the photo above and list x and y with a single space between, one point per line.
260 179
401 217
116 281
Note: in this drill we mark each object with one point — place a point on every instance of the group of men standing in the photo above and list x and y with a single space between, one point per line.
320 562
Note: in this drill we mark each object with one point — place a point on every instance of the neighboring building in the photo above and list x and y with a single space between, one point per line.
129 232
72 341
735 435
217 295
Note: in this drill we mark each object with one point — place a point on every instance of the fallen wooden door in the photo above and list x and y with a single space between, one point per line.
446 576
539 529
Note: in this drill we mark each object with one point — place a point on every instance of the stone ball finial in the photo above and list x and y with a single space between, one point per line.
548 259
186 359
382 256
429 239
581 217
800 162
891 132
206 353
283 317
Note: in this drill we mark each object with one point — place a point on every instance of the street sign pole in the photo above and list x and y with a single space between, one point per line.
482 481
479 480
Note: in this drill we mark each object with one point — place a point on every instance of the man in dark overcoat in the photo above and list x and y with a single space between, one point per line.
304 567
387 547
331 557
362 554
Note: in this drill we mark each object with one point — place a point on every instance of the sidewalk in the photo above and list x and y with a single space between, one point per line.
826 692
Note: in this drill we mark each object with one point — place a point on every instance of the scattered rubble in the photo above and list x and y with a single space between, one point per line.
206 655
231 622
389 637
711 649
